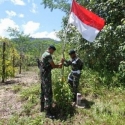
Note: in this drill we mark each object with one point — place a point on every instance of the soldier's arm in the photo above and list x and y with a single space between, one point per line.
67 63
53 64
56 66
80 64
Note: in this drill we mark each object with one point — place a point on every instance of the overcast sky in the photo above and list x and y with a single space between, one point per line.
29 16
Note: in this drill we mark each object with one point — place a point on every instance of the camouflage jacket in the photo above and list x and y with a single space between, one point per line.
76 64
45 60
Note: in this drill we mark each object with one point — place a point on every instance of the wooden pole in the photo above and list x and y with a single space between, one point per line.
20 65
13 60
63 51
64 44
3 63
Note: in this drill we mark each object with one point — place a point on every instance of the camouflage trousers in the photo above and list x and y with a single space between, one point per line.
73 80
46 89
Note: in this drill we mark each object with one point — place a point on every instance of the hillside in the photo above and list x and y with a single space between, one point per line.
37 39
44 39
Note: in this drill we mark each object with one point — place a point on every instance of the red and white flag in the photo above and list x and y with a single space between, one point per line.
87 23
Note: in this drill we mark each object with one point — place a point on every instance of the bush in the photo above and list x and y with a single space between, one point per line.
62 94
63 97
122 71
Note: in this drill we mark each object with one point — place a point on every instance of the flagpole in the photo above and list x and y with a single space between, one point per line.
64 43
65 39
63 50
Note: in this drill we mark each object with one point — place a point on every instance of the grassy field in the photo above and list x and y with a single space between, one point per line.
102 105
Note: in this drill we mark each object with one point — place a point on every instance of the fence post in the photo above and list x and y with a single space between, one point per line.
20 64
13 61
3 62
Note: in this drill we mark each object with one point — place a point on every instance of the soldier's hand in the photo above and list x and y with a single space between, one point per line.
62 60
60 65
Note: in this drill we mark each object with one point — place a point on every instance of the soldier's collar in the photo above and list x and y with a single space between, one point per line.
47 51
75 58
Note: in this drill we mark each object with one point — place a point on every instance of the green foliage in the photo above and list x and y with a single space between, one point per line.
100 79
31 93
100 84
16 88
31 96
62 94
103 105
37 120
121 74
27 108
57 4
105 54
108 48
21 51
29 48
8 58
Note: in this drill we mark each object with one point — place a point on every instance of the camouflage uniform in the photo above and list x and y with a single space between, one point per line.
46 83
74 76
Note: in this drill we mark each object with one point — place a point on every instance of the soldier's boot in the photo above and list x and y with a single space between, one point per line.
42 107
49 114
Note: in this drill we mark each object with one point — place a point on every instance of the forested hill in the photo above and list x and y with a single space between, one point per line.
40 39
32 48
44 39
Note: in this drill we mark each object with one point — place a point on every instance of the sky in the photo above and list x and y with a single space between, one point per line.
30 17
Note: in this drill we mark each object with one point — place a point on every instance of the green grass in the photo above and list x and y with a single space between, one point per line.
105 105
30 93
16 88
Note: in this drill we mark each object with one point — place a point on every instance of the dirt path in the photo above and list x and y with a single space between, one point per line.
9 101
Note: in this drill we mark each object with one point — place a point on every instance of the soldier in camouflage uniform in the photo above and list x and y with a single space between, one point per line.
74 76
47 65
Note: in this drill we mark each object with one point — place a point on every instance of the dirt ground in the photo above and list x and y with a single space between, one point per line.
9 102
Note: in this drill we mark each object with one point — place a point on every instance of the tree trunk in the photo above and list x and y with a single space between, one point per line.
3 62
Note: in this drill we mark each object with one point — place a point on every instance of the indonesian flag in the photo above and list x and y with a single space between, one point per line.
87 23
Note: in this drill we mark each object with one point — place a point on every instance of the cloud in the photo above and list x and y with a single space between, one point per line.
34 8
21 15
2 1
10 13
18 2
5 24
52 35
30 27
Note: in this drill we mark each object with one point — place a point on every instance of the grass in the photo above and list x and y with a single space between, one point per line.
16 88
30 93
103 105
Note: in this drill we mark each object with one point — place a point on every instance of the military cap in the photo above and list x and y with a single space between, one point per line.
52 47
72 52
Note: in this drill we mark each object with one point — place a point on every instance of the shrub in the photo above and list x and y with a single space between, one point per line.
122 71
62 95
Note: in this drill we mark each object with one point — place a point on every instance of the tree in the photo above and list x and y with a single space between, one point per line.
108 50
7 53
20 38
